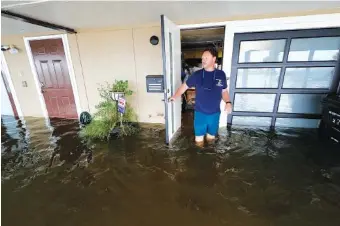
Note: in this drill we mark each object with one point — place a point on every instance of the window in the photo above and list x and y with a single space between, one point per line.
301 103
254 102
310 77
280 78
262 51
297 122
258 77
314 49
252 121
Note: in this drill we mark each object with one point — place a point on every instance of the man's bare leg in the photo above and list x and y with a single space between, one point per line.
199 140
210 137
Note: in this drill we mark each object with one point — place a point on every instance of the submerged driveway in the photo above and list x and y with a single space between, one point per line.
247 177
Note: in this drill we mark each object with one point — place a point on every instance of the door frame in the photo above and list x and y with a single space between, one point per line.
262 25
165 81
64 39
7 74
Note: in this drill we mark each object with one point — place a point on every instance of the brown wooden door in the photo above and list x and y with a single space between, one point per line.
51 65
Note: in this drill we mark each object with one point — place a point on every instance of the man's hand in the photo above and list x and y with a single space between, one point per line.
228 108
179 92
171 99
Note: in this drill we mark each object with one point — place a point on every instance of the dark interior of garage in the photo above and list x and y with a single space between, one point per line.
193 43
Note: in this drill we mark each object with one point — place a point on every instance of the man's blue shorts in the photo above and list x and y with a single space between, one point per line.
206 123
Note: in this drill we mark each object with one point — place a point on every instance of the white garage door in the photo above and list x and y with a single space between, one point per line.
280 78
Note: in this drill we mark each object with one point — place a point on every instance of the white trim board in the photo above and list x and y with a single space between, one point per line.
5 69
262 25
276 24
321 19
72 74
69 65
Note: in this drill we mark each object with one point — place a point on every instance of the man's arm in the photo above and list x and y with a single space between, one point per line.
179 92
226 98
189 83
225 95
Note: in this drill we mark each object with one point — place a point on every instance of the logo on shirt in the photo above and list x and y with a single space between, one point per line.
219 83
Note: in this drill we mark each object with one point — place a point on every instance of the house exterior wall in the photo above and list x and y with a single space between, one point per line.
149 61
6 107
123 55
99 56
20 70
105 56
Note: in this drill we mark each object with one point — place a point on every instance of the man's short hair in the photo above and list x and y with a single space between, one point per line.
212 51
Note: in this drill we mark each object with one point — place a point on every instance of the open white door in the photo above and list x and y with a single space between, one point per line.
171 44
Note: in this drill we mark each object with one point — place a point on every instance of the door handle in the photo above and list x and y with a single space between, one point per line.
167 100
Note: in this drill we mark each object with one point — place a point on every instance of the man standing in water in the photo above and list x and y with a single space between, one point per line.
211 87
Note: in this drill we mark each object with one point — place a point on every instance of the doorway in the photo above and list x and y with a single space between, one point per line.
193 43
51 66
11 115
176 61
8 107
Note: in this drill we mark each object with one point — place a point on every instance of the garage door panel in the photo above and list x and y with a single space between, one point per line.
314 49
252 121
300 103
297 122
262 51
254 102
282 76
258 77
308 77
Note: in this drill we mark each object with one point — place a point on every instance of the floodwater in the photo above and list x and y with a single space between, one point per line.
247 177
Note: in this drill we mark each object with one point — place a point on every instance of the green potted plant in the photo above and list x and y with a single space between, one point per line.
120 89
105 119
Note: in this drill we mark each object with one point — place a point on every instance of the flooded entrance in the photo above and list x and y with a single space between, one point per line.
247 177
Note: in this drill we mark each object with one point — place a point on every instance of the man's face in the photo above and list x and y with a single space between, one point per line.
208 60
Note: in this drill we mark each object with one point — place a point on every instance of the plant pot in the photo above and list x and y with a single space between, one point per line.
116 131
116 95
